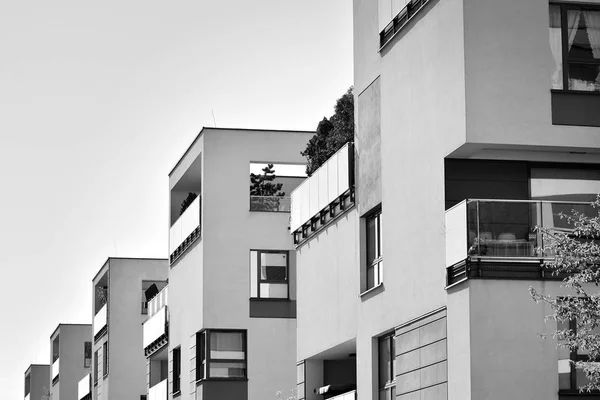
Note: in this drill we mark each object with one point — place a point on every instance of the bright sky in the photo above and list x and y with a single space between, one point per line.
98 100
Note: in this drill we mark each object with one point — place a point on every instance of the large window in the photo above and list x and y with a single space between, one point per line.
387 367
575 44
269 274
177 370
374 257
221 354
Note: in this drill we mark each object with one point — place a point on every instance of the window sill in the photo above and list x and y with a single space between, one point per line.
269 299
369 291
586 92
177 393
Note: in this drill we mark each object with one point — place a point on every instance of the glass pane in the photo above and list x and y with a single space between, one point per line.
227 369
584 34
556 46
273 290
253 274
585 77
273 259
301 391
371 240
385 362
227 345
370 277
269 273
300 373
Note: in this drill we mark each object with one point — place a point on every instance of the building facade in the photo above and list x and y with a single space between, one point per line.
232 289
476 121
70 359
120 307
37 377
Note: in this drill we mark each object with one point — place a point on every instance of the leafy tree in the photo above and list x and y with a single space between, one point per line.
187 202
577 256
331 134
262 185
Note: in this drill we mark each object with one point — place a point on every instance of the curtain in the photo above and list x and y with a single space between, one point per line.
556 46
592 21
226 345
573 17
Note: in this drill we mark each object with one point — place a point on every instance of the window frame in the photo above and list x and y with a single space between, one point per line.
391 383
96 369
87 362
301 396
176 386
105 359
259 279
203 358
377 262
564 9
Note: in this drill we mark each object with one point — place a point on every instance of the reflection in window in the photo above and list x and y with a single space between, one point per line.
269 274
221 354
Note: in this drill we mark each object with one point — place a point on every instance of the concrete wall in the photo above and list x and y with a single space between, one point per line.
508 69
39 376
328 287
210 283
127 362
71 356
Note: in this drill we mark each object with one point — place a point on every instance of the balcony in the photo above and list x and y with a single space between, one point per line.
322 197
100 322
155 332
503 231
84 388
55 370
158 301
158 391
185 230
270 203
346 396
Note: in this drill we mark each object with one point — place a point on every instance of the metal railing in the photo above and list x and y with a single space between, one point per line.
505 229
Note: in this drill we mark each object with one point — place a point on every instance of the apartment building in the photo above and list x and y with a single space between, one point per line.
37 377
476 121
70 356
232 290
120 307
155 344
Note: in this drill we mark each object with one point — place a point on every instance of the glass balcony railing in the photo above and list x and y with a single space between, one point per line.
504 229
158 391
84 387
346 396
270 203
100 320
330 181
185 226
55 369
155 327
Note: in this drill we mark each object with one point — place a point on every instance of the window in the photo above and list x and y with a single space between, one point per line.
221 354
269 274
105 357
575 44
387 367
570 379
96 367
87 354
300 379
177 370
374 258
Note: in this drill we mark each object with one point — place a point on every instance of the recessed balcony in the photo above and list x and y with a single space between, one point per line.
100 322
158 391
185 230
270 203
504 232
84 388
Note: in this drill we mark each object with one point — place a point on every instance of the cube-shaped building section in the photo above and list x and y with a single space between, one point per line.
37 378
70 359
232 287
122 288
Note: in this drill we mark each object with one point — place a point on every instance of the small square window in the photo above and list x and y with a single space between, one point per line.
269 274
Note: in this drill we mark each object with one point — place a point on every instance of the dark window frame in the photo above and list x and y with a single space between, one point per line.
96 372
564 8
391 383
176 370
377 262
105 359
203 358
259 280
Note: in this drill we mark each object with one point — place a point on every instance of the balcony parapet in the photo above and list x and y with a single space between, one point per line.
84 388
270 203
158 391
158 301
503 234
55 370
155 332
185 230
101 322
27 396
324 196
346 396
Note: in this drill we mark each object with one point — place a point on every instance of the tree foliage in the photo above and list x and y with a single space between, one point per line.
262 184
187 202
331 134
577 257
